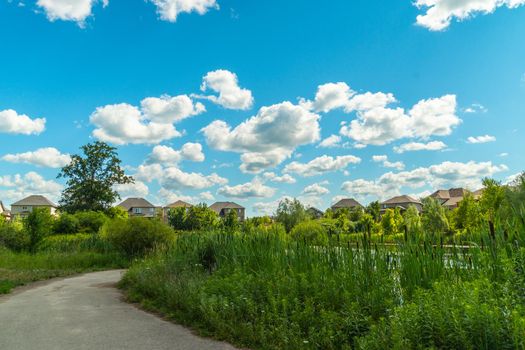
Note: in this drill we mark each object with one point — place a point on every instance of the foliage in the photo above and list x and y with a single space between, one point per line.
412 221
374 209
137 236
290 213
435 221
66 224
177 218
230 222
468 215
311 232
200 217
14 237
38 224
91 221
91 179
72 243
392 222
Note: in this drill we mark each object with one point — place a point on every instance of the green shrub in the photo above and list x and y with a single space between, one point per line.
80 242
137 236
14 237
311 232
66 224
90 221
38 224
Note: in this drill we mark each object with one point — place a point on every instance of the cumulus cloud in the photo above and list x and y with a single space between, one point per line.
269 208
315 190
446 174
440 13
69 10
153 123
137 189
481 139
16 187
383 159
331 96
48 157
173 178
268 138
286 178
418 146
253 189
166 155
226 84
169 10
13 123
321 165
331 142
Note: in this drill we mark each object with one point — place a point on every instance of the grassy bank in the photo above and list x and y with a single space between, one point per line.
18 269
263 292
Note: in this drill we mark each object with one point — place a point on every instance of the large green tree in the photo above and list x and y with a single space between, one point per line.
91 178
290 213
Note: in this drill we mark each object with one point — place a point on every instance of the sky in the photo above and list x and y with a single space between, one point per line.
255 101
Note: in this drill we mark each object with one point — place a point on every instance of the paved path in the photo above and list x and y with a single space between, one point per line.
86 312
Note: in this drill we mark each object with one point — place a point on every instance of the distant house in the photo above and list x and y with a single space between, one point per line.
450 198
25 206
346 203
314 213
401 202
139 207
223 208
174 205
4 212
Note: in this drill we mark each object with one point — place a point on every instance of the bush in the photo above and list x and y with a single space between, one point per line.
90 221
80 242
38 224
137 236
66 224
311 232
13 237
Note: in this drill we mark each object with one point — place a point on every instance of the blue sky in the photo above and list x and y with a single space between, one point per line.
250 101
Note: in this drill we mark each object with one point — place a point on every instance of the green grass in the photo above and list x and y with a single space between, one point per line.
18 269
265 293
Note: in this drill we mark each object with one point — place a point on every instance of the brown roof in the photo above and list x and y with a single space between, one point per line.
453 202
441 194
219 206
35 200
135 203
347 203
179 204
401 200
457 192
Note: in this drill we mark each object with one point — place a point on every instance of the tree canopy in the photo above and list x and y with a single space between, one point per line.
91 179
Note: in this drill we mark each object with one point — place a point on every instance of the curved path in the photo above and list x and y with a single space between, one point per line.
86 312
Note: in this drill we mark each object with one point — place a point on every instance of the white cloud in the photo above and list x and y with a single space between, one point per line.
166 155
137 189
268 138
475 108
446 174
207 196
253 189
331 142
481 139
169 10
315 190
440 13
331 96
69 10
13 123
321 165
269 208
286 178
418 146
369 100
151 124
382 125
173 178
16 187
226 84
383 159
44 157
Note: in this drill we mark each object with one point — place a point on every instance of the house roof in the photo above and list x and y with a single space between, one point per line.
35 200
179 204
404 199
314 210
453 202
218 206
2 208
441 194
451 193
135 203
477 194
347 203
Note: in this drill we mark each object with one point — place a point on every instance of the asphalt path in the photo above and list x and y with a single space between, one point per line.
87 312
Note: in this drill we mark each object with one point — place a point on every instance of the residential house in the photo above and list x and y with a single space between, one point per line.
314 213
223 208
174 205
4 212
139 207
26 206
401 202
346 203
450 199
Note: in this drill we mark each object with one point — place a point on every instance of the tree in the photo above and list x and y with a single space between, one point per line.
230 221
468 214
177 218
434 219
412 220
91 179
392 221
374 209
38 225
66 224
491 201
290 213
200 217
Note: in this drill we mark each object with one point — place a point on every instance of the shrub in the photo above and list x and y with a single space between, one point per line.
13 237
311 232
90 221
38 224
66 224
80 242
137 236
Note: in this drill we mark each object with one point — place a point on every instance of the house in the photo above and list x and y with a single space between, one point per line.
348 203
174 205
314 213
401 202
4 212
450 198
223 208
25 206
139 207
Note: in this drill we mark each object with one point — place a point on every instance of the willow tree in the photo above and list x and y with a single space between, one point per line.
91 179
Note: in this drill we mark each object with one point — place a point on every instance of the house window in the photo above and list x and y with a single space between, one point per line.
138 210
